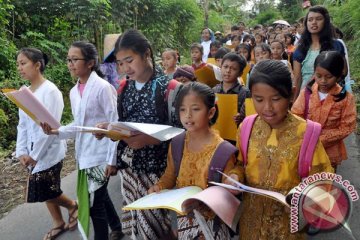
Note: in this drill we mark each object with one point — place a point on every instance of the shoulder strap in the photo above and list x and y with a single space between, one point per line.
120 91
122 85
311 137
307 94
219 160
177 147
170 96
245 133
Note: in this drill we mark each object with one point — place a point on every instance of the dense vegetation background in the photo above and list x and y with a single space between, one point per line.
53 25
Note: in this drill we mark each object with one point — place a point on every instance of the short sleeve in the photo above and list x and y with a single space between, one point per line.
298 56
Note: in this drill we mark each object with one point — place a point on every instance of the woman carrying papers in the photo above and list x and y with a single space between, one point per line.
195 107
93 100
142 158
40 153
271 153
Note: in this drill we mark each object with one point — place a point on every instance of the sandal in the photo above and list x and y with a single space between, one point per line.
73 221
58 231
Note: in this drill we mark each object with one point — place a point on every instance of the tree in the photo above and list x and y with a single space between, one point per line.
291 10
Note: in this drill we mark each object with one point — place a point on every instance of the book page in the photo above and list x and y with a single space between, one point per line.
223 203
225 124
169 199
27 102
206 75
249 107
109 133
242 187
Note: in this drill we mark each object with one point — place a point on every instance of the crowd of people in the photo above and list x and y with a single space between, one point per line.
295 75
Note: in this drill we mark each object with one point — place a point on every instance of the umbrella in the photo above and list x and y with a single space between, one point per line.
283 22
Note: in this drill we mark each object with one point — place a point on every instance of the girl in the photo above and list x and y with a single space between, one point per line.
259 38
272 154
262 52
185 74
214 46
324 101
207 37
169 59
245 51
93 100
141 158
235 41
316 37
196 52
40 153
250 40
195 106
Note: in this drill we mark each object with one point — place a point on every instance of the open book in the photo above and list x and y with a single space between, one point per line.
243 188
121 130
183 200
26 101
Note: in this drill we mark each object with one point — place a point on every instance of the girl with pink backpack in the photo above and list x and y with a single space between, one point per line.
276 152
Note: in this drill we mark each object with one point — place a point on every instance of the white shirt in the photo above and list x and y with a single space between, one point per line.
206 46
31 140
97 104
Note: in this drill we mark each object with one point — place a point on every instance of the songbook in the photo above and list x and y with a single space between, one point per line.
26 101
211 60
249 107
228 108
121 130
207 76
183 200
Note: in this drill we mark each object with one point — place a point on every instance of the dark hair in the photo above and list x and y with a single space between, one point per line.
135 41
264 47
220 53
233 57
333 62
258 26
197 46
216 44
284 55
291 36
273 73
251 37
172 52
325 35
89 52
245 46
235 28
203 91
236 37
35 55
262 36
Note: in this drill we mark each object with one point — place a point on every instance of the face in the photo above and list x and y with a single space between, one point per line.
235 32
26 68
261 54
205 35
276 50
280 37
218 62
213 50
230 71
248 42
235 42
258 39
324 79
243 52
278 30
315 22
196 55
194 114
168 60
77 64
183 80
269 104
133 64
287 40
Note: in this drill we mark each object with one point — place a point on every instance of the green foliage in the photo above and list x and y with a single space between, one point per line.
291 10
267 17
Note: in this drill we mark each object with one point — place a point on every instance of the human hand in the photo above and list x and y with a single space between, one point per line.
155 188
110 171
26 161
48 130
103 125
237 118
141 140
229 182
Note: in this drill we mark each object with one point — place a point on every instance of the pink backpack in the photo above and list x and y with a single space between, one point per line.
311 137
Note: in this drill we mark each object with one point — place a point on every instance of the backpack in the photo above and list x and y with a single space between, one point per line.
311 137
171 92
218 160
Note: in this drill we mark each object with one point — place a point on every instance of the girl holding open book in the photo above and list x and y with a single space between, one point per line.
93 100
195 107
271 158
40 153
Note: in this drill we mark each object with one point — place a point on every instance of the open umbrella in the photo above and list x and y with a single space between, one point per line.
283 22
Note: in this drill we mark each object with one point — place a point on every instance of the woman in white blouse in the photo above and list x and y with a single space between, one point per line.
40 153
93 100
